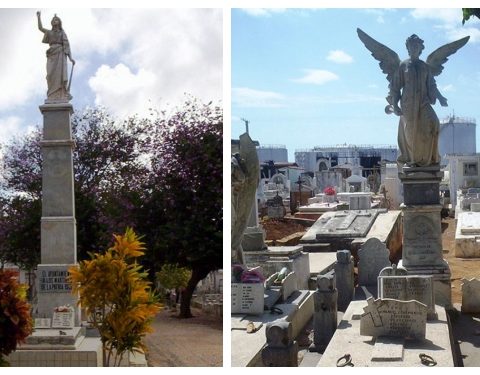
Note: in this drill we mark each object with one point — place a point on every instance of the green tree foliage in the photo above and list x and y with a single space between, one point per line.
171 276
469 12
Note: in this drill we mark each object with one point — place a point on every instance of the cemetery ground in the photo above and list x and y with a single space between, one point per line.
465 328
196 341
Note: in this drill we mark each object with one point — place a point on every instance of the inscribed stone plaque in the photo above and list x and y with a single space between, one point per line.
407 288
422 238
389 317
248 298
373 257
471 296
63 319
43 323
54 280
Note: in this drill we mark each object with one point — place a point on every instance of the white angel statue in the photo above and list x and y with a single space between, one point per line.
412 83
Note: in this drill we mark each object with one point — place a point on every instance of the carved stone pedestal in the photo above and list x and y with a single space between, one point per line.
422 234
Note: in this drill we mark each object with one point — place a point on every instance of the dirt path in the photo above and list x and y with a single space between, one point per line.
190 342
460 268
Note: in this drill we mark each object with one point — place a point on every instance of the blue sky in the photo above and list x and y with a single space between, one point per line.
303 78
126 60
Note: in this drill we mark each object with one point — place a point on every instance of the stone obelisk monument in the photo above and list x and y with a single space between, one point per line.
58 226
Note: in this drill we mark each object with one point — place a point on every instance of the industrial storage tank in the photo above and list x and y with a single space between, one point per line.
457 136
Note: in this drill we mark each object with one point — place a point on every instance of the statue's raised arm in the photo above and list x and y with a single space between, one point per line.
57 54
39 20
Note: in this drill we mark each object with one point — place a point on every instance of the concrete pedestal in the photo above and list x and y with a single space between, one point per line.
58 226
422 234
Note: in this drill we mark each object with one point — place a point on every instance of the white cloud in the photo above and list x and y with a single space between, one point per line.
263 12
458 33
450 21
447 88
121 90
21 76
182 49
316 77
251 98
9 127
340 57
450 16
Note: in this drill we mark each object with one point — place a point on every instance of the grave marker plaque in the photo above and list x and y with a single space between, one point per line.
407 288
64 319
389 317
42 323
248 298
54 281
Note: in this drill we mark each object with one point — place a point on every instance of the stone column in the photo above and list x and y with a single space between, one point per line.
422 232
344 279
281 350
58 226
325 313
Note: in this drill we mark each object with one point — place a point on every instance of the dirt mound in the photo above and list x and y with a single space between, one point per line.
276 229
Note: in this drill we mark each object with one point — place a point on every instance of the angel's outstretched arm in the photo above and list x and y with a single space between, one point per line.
434 92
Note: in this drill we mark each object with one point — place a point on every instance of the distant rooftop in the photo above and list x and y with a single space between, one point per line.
272 146
457 120
348 146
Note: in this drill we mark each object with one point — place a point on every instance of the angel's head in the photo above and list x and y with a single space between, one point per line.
414 46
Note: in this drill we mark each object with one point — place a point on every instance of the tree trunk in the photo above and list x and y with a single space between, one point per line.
198 273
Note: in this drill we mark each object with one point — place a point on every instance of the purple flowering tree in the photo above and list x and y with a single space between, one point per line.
162 177
186 193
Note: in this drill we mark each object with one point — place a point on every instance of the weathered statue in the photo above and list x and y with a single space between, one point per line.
412 84
245 176
57 76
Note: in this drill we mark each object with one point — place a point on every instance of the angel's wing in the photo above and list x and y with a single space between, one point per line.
439 57
389 60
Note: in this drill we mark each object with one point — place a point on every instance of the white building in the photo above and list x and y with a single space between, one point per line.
463 173
324 157
276 153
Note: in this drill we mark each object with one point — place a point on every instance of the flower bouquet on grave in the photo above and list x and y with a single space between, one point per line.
330 194
329 190
65 308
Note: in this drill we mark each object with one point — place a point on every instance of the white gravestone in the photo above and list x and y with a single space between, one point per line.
407 288
471 296
373 257
40 323
248 298
389 317
64 319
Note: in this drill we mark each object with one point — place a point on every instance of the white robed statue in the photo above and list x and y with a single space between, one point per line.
57 72
412 84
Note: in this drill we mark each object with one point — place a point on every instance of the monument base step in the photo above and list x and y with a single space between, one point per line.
88 353
54 339
347 340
